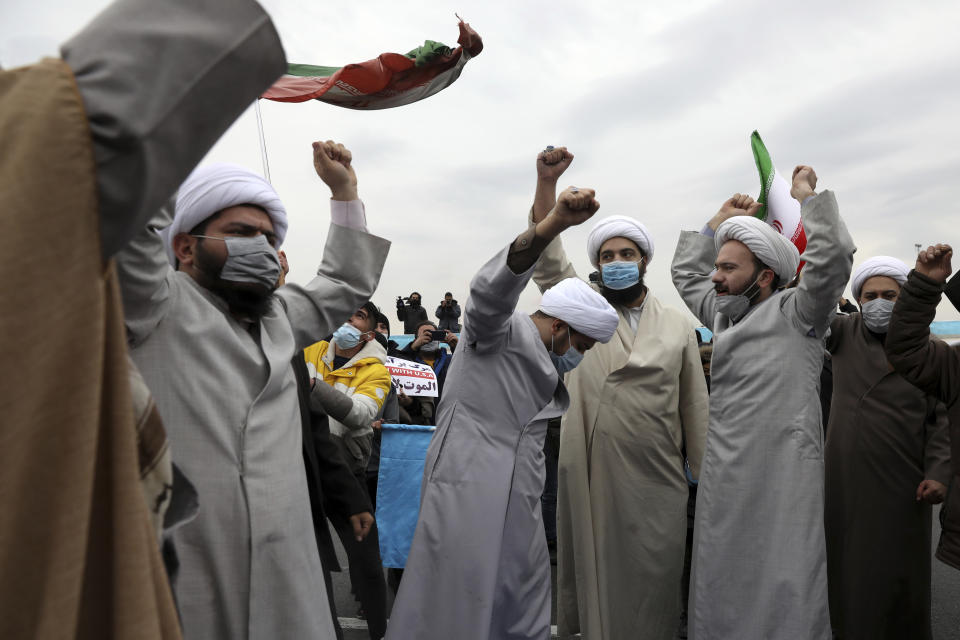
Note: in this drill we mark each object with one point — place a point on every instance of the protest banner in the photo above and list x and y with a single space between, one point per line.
415 378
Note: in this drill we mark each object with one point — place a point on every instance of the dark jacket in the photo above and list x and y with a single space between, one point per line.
331 485
449 317
933 366
412 317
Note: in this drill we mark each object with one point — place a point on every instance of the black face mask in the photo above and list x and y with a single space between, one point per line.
245 299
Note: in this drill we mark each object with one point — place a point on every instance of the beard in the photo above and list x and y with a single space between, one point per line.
244 299
623 297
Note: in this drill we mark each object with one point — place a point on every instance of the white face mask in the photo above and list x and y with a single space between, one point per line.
876 314
430 347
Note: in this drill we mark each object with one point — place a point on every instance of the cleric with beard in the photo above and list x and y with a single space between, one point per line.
214 339
622 494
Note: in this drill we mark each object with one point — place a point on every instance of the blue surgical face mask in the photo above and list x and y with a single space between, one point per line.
568 361
347 336
620 275
876 314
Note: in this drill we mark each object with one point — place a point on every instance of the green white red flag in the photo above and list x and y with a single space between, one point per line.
389 80
780 209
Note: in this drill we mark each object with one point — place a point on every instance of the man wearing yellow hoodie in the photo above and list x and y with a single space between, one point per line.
350 385
357 383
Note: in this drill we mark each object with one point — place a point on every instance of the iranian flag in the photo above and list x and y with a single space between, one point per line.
780 209
389 80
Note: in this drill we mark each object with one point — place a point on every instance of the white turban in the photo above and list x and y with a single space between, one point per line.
770 247
618 227
215 187
878 266
576 303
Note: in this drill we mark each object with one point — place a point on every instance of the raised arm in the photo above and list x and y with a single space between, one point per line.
829 256
931 365
352 258
161 82
495 289
553 265
145 274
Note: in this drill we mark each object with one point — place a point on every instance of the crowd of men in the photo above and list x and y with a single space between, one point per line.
181 481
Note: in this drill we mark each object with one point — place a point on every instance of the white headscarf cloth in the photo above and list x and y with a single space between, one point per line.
215 187
769 246
878 266
615 227
576 303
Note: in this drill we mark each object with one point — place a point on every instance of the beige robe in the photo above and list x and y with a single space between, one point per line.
78 555
91 146
622 495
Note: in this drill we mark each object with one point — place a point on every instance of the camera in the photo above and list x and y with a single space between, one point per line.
439 335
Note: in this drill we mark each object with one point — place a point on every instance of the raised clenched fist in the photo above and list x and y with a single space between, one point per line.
551 163
575 206
804 183
934 262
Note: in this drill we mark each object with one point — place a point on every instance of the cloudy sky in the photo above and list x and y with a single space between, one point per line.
656 100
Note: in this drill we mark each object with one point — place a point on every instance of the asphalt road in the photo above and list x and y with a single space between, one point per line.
945 601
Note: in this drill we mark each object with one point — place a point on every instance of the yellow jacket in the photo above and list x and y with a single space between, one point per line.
364 378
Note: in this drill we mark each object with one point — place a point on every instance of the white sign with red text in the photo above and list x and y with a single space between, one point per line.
414 378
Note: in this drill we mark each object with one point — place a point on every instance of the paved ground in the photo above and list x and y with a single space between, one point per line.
945 600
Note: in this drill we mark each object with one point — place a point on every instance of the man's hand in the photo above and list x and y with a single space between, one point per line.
804 183
934 262
574 206
377 425
421 340
361 523
739 204
332 163
931 491
403 399
451 338
551 163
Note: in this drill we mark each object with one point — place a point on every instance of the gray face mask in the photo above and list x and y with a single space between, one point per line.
736 306
431 347
876 314
250 260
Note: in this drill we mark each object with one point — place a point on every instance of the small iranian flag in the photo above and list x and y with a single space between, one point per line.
780 209
389 80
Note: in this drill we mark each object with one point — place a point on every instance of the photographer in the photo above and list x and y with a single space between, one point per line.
426 349
411 314
449 313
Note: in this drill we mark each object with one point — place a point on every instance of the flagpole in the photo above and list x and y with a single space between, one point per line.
263 142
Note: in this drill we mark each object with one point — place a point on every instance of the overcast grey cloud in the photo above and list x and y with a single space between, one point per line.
656 99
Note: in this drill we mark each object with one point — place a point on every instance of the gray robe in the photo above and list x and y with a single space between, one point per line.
622 500
249 562
759 557
478 568
885 437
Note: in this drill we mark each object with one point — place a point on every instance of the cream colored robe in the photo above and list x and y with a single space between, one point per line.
622 496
